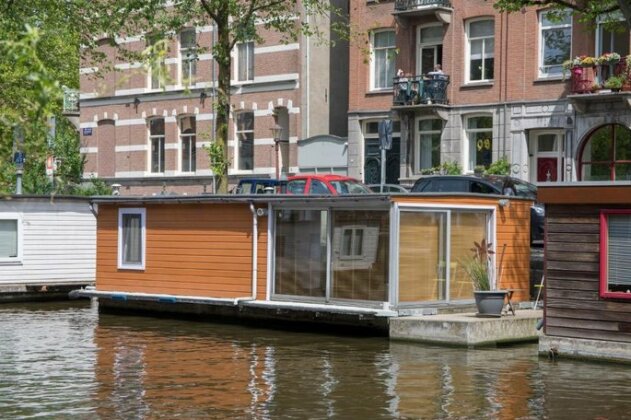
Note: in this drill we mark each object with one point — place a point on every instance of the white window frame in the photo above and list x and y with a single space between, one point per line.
555 26
250 56
151 139
373 62
468 40
237 146
467 147
420 45
143 218
187 137
150 72
187 54
352 255
20 244
617 15
417 139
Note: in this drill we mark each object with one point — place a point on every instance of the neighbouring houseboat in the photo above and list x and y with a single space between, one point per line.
587 270
350 260
47 246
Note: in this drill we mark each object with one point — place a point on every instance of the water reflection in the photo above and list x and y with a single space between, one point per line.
65 360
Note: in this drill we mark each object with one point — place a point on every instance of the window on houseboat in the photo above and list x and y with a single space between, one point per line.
131 238
360 255
8 239
616 250
301 253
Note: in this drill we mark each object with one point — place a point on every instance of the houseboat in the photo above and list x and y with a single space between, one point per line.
349 260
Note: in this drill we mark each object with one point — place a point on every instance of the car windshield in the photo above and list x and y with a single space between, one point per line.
521 188
349 187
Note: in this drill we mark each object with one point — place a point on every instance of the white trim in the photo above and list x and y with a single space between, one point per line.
86 150
170 146
131 148
143 222
236 63
420 46
88 70
133 121
89 124
466 155
204 57
19 237
277 48
128 39
136 91
127 66
132 174
417 139
372 86
467 48
88 95
540 30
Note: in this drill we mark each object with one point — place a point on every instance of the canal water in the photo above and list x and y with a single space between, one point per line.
64 360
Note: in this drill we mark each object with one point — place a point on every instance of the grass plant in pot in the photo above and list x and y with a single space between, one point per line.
477 266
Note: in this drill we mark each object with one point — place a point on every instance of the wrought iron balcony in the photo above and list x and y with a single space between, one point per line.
420 90
71 101
412 8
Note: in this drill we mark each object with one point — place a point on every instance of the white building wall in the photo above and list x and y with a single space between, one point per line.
58 242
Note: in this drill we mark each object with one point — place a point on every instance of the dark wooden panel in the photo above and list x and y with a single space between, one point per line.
571 237
572 227
563 275
572 256
562 218
588 334
588 314
572 246
583 324
573 266
556 210
591 286
571 294
600 305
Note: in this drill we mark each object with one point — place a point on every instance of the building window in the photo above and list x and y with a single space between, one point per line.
10 239
480 137
352 242
555 42
610 40
383 59
606 154
156 141
157 67
430 48
245 140
188 145
428 143
131 238
615 251
480 46
245 61
372 153
188 55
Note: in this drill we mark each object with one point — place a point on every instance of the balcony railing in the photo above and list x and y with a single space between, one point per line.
588 79
402 5
420 90
71 101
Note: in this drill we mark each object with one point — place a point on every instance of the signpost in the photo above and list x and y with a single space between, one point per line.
18 157
385 143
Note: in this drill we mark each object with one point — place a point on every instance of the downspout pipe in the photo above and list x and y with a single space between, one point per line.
255 249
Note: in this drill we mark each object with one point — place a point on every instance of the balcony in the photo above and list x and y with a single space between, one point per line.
414 8
420 90
593 83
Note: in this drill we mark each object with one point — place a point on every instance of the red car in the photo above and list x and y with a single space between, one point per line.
325 185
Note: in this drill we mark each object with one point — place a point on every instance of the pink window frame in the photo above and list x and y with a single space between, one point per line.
604 240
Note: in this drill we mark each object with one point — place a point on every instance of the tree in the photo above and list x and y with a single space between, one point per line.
235 21
588 10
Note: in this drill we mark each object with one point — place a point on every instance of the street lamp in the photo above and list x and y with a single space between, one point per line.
277 131
18 157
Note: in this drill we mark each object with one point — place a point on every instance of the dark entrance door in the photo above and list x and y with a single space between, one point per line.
372 162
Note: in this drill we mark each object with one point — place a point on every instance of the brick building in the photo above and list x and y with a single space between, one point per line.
148 135
502 92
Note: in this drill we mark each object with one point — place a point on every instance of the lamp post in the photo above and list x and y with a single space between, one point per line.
277 131
18 157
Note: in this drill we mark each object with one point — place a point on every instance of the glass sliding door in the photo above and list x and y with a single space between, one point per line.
301 253
359 262
466 228
422 256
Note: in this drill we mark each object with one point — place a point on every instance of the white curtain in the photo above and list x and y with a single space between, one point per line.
132 238
8 238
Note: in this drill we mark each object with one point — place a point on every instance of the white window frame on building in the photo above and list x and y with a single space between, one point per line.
540 148
244 70
428 47
157 71
353 249
606 39
243 133
188 56
484 40
156 139
420 135
471 147
385 52
139 235
188 145
547 29
11 240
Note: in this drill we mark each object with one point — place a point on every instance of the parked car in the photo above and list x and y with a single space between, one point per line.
489 184
261 186
388 188
325 185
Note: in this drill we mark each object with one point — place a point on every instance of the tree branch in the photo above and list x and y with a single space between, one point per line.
208 10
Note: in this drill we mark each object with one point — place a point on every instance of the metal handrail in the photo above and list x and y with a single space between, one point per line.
416 90
413 4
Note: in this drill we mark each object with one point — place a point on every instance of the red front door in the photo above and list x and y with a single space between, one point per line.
547 169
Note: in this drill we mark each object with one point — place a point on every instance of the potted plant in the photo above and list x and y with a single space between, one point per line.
489 302
614 83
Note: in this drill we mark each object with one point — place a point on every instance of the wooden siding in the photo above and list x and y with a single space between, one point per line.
58 242
572 257
200 250
512 228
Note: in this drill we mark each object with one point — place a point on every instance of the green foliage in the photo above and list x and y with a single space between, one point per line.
445 168
614 82
499 167
477 265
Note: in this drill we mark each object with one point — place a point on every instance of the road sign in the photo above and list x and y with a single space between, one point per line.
18 158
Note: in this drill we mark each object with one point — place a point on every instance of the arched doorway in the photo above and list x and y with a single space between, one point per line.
606 154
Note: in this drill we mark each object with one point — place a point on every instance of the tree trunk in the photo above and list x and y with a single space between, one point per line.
223 100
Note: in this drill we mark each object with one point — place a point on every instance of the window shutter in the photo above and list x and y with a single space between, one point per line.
619 250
